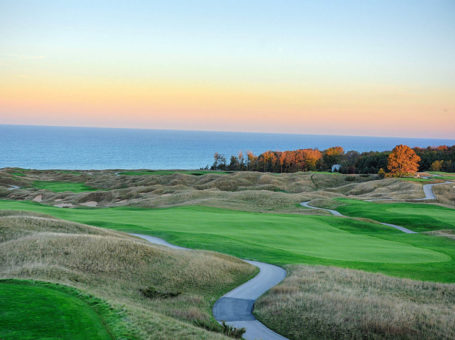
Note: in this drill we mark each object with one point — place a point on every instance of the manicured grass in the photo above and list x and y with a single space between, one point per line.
38 310
19 174
421 180
62 186
277 238
171 172
442 173
415 216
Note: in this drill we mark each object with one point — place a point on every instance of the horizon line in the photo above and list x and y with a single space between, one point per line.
224 131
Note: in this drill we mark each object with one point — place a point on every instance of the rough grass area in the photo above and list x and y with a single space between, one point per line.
277 238
316 302
117 268
171 172
389 188
251 191
62 186
445 194
39 310
415 216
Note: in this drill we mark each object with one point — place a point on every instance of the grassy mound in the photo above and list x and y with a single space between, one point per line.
389 188
333 303
277 238
118 268
415 216
251 191
37 310
170 172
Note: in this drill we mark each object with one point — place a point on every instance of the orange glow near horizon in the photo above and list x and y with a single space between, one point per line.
366 110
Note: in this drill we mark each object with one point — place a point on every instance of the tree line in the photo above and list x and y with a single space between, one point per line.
440 158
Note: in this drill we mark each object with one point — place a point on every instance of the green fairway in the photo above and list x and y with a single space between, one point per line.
20 174
35 310
62 186
421 180
171 172
276 238
415 216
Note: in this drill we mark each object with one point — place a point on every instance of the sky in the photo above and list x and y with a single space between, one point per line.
370 68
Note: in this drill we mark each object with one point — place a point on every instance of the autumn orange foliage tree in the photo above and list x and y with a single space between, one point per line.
403 161
333 155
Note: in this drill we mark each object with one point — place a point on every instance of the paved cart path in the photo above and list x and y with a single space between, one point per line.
428 190
236 307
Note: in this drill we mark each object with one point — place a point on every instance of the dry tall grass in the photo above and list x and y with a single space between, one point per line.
316 302
380 189
445 193
449 233
252 191
115 266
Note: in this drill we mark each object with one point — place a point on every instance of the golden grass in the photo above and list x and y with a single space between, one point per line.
316 302
380 189
115 266
445 193
449 233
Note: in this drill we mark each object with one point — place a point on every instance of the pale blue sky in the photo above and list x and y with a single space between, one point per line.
397 41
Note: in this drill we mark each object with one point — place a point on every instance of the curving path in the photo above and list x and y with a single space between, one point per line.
333 212
236 307
336 213
428 191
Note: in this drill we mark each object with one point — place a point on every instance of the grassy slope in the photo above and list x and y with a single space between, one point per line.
335 303
171 172
62 186
280 239
34 310
115 267
415 216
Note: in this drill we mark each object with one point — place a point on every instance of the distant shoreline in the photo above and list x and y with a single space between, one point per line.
41 147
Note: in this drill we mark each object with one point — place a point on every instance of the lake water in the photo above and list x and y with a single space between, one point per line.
44 147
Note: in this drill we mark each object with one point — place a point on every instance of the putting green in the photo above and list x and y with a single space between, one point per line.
415 216
33 310
275 238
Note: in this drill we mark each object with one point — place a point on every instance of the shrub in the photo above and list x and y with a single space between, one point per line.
232 331
153 293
